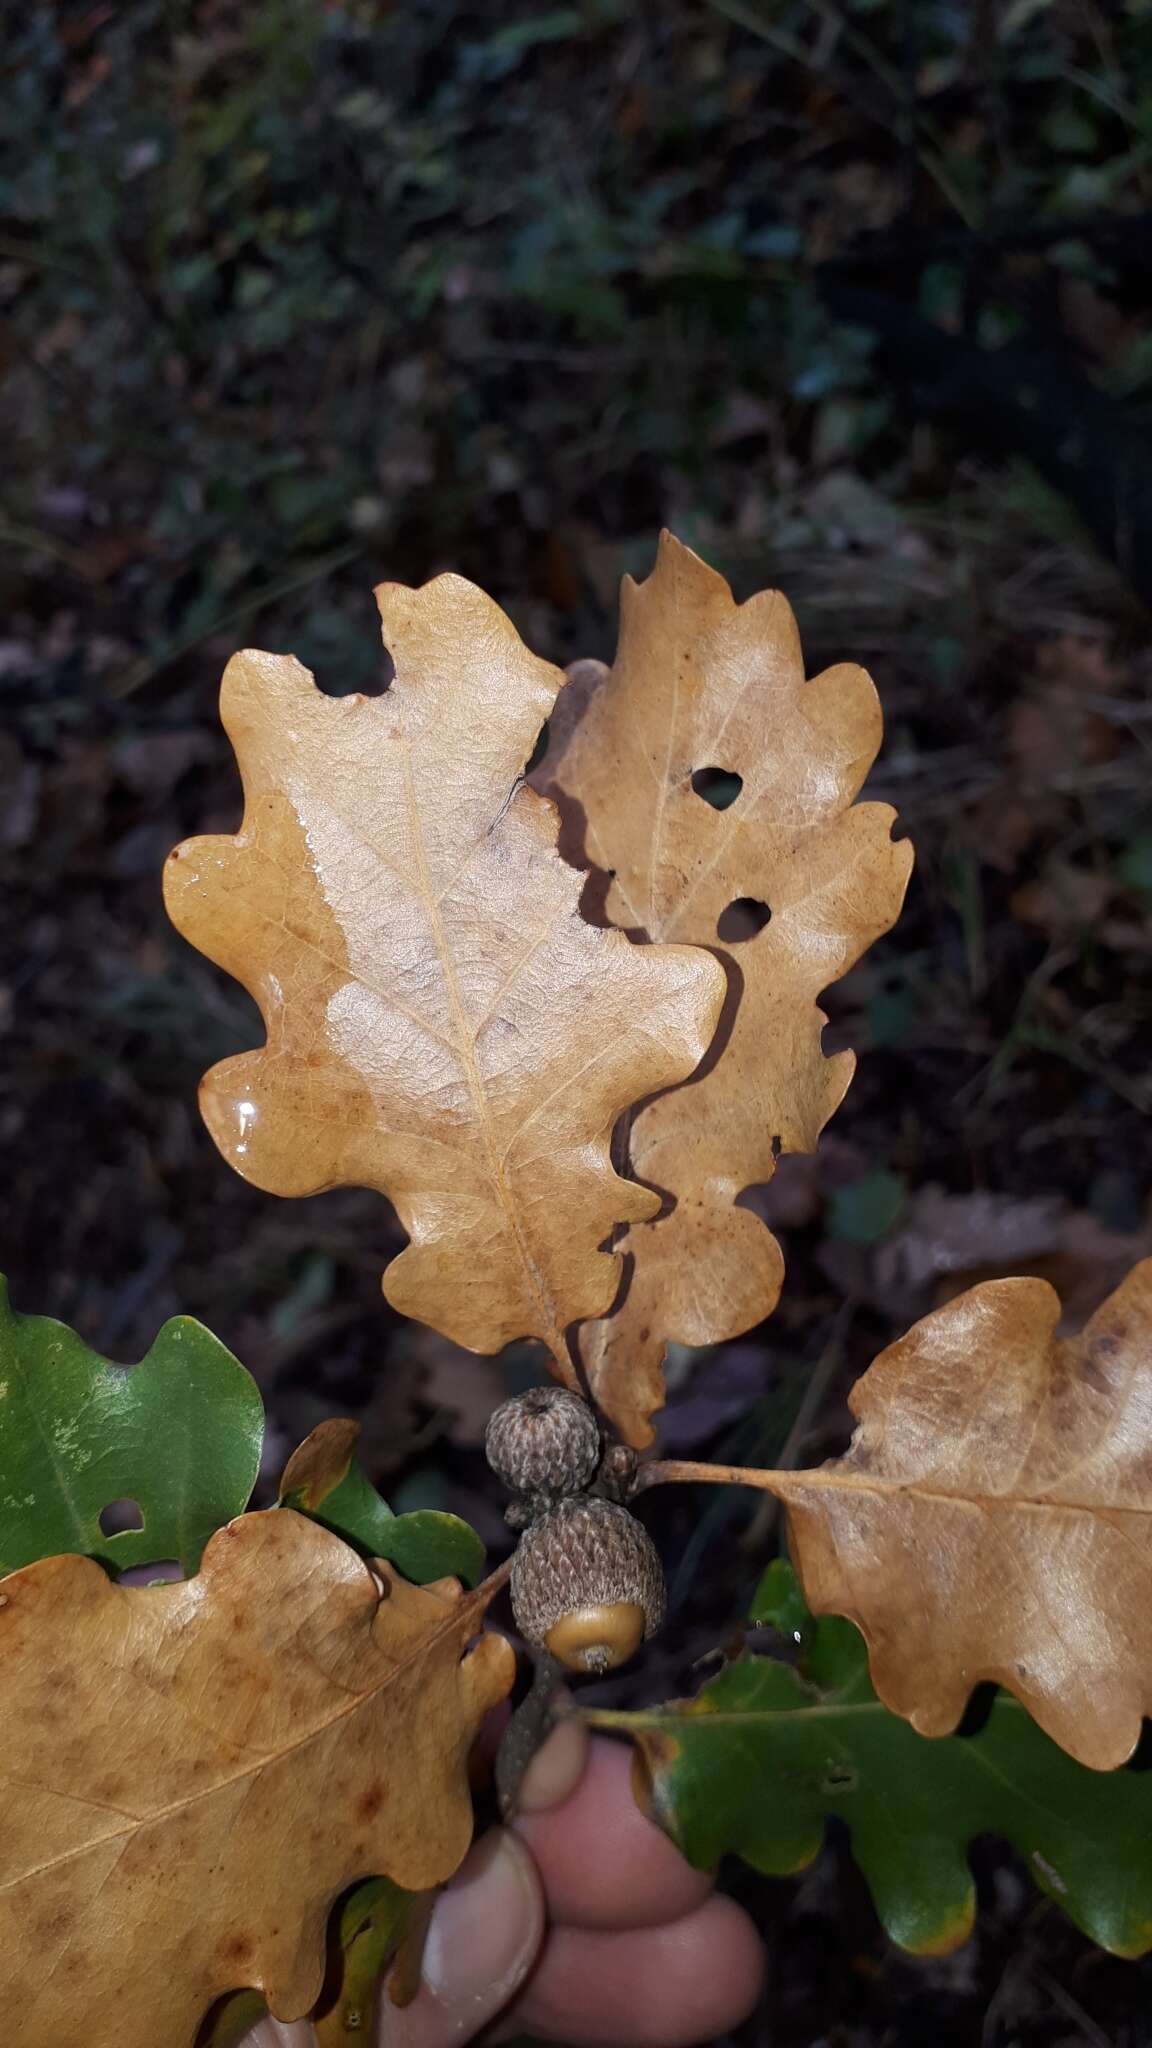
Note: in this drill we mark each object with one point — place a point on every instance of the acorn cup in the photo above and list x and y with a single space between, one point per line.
587 1584
546 1441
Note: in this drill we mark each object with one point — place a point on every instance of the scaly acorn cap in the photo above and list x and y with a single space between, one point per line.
544 1441
587 1584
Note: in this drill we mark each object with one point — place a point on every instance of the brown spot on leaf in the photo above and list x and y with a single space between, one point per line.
369 1803
296 1773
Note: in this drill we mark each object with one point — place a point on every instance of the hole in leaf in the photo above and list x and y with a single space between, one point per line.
839 1778
718 786
742 920
120 1515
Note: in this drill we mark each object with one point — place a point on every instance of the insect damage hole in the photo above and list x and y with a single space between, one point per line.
838 1778
742 920
120 1515
375 681
718 786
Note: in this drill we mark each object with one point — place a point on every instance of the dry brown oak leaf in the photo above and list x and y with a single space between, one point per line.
441 1022
196 1771
992 1518
702 685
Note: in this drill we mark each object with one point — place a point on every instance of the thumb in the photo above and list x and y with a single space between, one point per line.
488 1927
483 1938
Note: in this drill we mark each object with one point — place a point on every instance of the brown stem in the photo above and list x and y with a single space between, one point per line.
488 1588
681 1471
532 1722
763 1520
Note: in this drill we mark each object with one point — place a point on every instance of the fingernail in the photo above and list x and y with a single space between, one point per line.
281 2034
485 1930
557 1767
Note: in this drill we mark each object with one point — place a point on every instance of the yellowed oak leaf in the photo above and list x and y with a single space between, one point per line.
704 691
441 1022
992 1518
194 1772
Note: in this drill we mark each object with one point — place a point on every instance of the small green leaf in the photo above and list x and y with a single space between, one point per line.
778 1603
324 1480
231 2019
365 1933
179 1435
353 1509
428 1544
366 1929
765 1753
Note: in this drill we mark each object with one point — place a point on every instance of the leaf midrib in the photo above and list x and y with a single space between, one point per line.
820 1480
466 1052
633 1723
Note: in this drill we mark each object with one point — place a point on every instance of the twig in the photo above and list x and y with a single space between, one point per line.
528 1730
688 1472
13 249
150 666
763 1521
929 151
745 17
488 1588
38 543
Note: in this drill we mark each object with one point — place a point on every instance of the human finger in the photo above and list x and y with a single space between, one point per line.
602 1862
674 1986
483 1938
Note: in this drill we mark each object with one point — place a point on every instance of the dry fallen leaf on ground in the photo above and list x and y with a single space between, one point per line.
705 693
992 1518
442 1024
945 1243
202 1768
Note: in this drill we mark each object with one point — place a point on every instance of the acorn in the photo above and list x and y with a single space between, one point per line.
546 1441
587 1584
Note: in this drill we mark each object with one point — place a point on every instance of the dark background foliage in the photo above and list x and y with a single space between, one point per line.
854 295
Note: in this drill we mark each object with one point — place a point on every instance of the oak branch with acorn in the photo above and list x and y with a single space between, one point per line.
564 1021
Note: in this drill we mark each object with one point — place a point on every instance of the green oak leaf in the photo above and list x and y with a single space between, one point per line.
778 1603
767 1751
367 1929
230 2019
179 1434
367 1932
324 1479
428 1544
